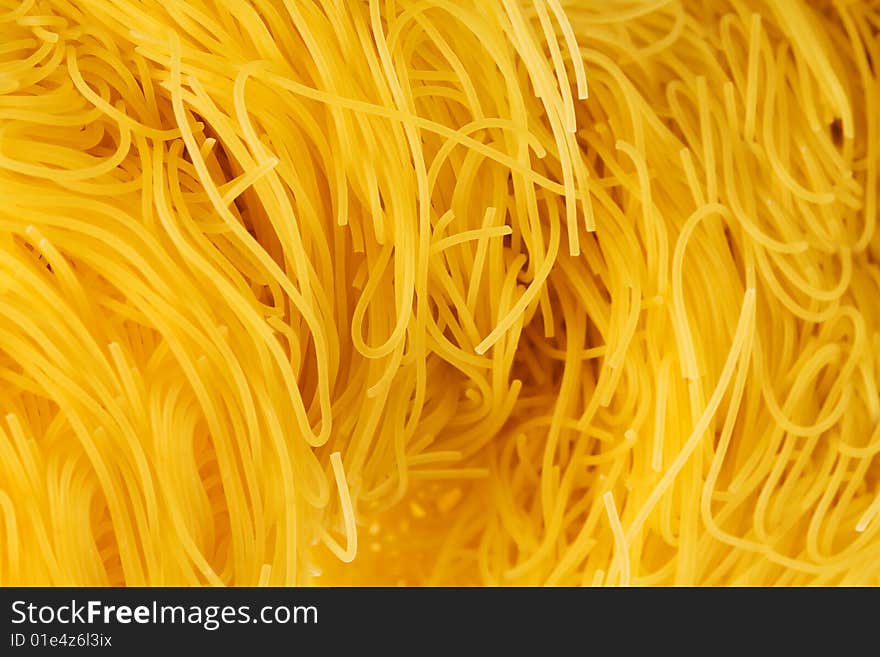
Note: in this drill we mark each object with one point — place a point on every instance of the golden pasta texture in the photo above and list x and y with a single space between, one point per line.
508 292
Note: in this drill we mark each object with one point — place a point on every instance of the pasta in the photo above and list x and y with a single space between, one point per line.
431 292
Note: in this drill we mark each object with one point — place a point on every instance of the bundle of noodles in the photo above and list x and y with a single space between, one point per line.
435 292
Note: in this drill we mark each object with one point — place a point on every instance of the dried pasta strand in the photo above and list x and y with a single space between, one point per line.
442 292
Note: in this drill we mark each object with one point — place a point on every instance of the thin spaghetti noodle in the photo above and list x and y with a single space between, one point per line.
439 292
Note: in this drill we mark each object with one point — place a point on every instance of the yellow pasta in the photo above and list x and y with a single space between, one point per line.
431 292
